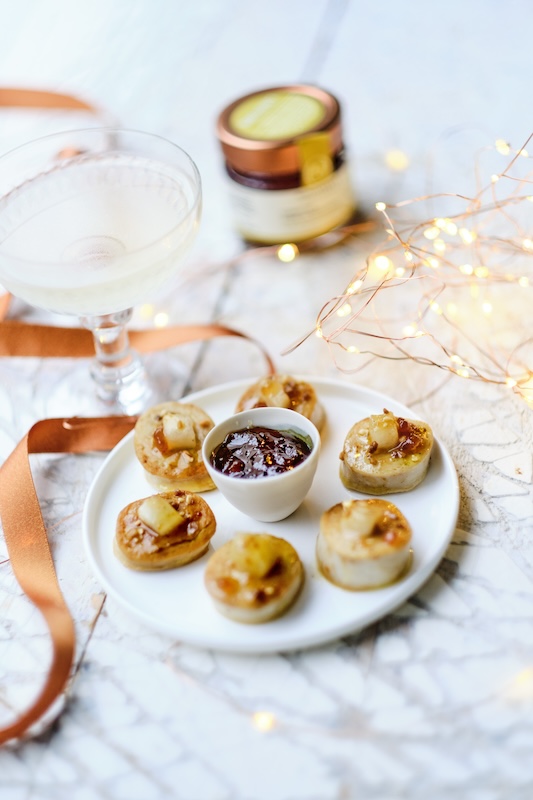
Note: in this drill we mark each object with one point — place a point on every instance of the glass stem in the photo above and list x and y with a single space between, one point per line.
118 371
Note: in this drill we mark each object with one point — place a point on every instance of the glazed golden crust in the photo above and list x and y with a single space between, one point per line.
170 464
363 544
397 463
254 577
141 547
283 391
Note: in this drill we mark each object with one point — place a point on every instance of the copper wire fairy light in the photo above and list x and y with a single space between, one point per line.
455 283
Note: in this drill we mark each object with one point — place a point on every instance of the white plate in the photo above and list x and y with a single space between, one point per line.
175 601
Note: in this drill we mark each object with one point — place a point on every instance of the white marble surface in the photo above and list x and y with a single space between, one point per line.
436 699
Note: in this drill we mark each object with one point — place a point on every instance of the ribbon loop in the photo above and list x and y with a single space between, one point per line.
28 546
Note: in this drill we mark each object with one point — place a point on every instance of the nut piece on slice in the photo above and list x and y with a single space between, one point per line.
384 453
163 531
168 443
284 391
363 544
254 577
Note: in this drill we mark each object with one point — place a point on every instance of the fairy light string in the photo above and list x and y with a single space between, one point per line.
449 290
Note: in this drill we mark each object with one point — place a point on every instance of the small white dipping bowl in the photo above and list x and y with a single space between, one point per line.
272 497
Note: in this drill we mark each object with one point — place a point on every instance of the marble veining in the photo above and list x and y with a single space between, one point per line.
436 699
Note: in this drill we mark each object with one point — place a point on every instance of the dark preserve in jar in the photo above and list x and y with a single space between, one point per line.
257 452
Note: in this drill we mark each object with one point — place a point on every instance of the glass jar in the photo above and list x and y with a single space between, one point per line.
288 176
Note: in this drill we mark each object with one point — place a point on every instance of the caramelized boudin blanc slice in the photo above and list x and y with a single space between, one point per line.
384 453
254 577
282 391
363 544
168 442
163 531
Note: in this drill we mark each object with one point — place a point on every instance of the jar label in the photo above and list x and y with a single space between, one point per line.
316 162
286 215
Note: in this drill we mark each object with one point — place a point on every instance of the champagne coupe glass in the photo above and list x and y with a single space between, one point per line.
91 222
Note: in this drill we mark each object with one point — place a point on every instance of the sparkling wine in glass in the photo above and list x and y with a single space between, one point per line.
91 223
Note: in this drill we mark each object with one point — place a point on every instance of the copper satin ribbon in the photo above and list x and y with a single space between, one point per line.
33 98
27 541
46 341
22 521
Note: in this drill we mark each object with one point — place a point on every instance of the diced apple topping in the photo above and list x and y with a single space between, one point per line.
361 520
273 394
252 556
383 430
178 431
159 515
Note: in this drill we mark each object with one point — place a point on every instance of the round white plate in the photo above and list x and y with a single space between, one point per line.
176 602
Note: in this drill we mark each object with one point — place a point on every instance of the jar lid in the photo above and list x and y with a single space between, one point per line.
265 131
